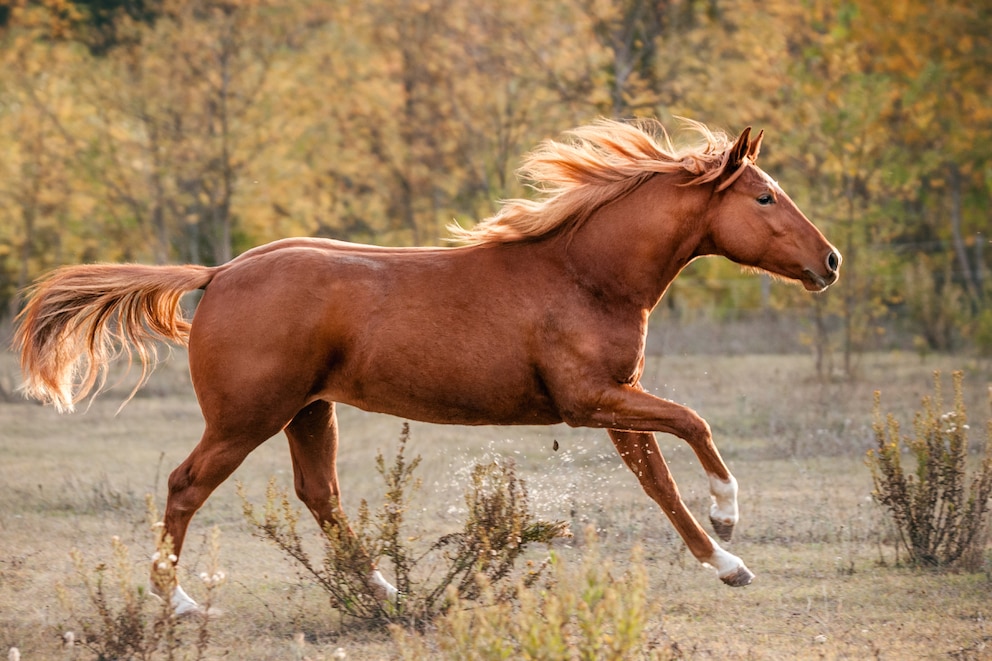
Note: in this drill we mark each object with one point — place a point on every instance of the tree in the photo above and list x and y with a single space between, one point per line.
178 123
208 126
39 207
443 97
939 57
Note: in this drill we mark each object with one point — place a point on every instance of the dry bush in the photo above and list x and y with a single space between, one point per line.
940 518
119 618
498 528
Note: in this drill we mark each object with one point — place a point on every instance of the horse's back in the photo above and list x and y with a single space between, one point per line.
441 334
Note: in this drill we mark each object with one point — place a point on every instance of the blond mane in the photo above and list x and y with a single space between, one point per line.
599 163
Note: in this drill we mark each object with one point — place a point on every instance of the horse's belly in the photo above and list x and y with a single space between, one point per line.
440 413
436 395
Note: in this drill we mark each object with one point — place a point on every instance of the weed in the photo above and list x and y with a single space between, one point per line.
940 519
585 613
498 528
119 618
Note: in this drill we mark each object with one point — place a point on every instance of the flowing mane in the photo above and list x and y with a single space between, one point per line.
601 162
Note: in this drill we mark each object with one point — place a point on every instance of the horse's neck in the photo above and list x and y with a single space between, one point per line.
632 249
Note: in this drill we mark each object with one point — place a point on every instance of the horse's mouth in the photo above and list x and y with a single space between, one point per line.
813 281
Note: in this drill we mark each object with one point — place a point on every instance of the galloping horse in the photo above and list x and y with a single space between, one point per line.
539 318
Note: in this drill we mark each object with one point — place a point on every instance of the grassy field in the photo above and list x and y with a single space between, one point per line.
828 583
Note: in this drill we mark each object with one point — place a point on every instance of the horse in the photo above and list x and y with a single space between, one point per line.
538 316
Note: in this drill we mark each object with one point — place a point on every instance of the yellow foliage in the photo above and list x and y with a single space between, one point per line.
224 125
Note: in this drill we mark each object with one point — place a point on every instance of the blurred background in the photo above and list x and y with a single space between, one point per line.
191 130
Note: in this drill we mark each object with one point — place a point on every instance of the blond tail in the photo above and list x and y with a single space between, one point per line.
79 318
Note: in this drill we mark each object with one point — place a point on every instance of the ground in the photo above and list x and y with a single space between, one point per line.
828 585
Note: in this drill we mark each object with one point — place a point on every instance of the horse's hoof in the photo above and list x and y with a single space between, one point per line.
723 529
739 577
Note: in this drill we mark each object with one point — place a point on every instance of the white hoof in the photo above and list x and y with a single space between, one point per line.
384 591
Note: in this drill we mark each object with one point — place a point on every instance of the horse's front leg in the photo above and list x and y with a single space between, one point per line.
642 455
628 408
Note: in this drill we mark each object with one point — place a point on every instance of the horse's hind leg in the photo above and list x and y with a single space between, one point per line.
642 455
211 462
313 444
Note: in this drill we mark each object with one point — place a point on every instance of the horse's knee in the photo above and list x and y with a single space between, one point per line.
192 482
696 428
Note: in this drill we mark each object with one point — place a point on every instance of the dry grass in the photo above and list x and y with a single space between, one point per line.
827 584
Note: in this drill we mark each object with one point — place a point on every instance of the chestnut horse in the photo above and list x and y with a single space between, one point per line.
540 318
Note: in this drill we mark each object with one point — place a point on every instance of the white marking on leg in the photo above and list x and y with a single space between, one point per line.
722 561
386 591
728 566
724 494
182 603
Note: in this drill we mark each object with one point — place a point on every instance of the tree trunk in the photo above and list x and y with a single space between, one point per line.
960 251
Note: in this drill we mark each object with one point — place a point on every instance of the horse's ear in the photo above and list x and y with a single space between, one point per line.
740 150
735 159
755 148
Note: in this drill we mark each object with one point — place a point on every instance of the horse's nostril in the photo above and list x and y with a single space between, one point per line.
833 261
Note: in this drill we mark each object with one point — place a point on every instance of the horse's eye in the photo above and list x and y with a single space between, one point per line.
765 199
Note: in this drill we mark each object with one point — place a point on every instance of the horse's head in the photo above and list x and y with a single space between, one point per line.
754 223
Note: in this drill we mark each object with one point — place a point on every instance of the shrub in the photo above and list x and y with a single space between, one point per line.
498 528
940 518
593 612
119 618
